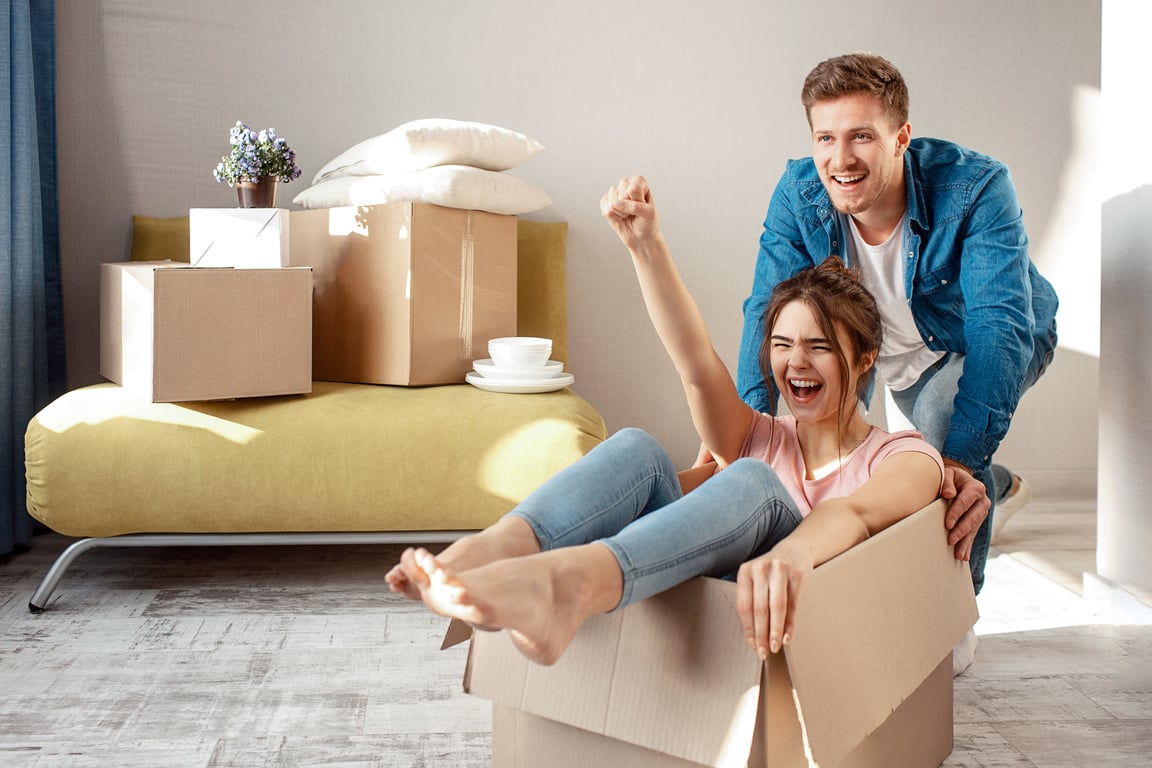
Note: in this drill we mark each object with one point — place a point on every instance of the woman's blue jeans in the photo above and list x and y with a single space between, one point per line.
625 495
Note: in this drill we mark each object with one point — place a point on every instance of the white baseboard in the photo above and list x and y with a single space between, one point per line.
1060 483
1113 603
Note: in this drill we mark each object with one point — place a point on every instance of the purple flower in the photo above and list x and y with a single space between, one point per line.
255 155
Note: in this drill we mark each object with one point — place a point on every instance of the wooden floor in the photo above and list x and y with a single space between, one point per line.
1062 677
295 656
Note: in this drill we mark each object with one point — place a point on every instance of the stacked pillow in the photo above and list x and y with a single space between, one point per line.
452 163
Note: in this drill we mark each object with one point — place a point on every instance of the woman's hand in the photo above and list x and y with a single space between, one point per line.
767 594
629 209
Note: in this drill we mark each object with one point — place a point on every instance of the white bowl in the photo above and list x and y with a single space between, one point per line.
520 351
488 368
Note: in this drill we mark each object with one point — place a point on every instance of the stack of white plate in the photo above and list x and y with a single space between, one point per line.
528 380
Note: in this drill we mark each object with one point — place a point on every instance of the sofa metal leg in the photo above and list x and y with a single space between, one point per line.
39 600
44 591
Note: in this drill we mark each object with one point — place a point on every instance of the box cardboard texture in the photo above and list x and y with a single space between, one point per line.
244 238
173 333
406 293
865 683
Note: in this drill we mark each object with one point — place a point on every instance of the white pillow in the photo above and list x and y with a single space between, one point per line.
433 141
453 186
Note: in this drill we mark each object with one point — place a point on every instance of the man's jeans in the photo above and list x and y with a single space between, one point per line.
928 405
625 495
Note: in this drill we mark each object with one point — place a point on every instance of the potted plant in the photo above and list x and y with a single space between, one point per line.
258 160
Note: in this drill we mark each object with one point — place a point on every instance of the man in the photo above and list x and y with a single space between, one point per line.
938 233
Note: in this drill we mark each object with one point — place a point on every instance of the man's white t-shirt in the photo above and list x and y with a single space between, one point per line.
903 355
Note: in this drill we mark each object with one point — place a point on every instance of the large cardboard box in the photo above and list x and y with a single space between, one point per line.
244 238
406 293
172 333
865 683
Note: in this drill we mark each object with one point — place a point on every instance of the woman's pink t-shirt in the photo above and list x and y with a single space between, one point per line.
773 439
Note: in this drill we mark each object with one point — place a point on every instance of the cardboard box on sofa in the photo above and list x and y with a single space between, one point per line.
173 333
244 238
406 293
670 681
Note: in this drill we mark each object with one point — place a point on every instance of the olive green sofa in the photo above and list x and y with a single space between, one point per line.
348 463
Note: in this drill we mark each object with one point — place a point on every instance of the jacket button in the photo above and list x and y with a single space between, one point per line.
943 282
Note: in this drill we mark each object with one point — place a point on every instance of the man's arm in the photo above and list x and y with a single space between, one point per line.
998 324
993 275
783 253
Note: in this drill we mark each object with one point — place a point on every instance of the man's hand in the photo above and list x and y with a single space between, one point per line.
968 509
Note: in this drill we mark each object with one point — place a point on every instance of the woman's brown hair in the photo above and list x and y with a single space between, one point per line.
839 302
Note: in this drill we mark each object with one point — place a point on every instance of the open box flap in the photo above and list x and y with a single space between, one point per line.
457 632
671 673
874 623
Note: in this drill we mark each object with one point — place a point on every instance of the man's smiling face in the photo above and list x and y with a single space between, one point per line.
858 152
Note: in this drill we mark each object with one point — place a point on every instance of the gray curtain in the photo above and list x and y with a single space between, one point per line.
31 313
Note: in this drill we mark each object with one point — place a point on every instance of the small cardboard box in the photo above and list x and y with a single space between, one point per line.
171 333
244 238
670 681
406 293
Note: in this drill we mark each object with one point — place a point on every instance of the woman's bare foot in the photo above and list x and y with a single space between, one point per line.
398 582
541 599
509 536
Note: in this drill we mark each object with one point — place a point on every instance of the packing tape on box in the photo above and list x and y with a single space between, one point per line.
467 284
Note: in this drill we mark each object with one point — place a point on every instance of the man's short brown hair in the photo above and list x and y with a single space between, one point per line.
857 73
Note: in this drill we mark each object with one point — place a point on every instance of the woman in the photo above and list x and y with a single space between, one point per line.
788 492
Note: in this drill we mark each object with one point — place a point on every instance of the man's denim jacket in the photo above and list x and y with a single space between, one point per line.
973 288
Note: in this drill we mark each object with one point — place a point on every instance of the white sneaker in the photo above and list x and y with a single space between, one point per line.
964 653
1020 495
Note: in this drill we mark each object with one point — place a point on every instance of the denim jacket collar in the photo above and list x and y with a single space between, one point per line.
814 193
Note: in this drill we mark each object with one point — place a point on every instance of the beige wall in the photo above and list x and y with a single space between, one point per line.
702 99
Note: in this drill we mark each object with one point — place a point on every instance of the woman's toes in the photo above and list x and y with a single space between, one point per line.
429 564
